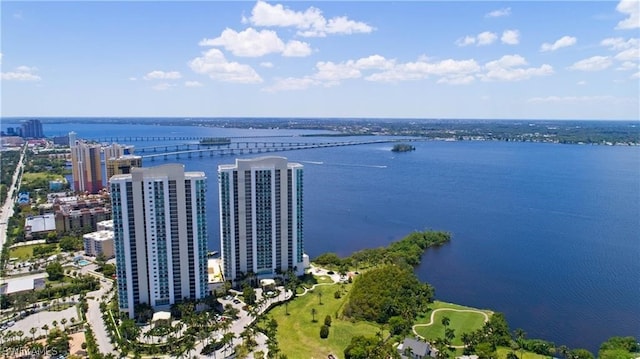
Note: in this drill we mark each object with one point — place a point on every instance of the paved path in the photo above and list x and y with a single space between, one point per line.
433 315
94 317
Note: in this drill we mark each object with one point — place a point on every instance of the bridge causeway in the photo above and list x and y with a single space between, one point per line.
242 148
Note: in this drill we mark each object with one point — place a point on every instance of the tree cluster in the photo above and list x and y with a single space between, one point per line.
386 292
619 348
407 250
362 347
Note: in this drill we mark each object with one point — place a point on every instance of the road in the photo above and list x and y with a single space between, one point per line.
244 320
94 317
7 206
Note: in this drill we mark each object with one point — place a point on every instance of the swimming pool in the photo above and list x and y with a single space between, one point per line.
83 262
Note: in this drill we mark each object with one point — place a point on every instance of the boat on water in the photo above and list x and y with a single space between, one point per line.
215 141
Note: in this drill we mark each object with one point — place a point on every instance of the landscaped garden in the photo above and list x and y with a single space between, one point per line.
298 334
460 319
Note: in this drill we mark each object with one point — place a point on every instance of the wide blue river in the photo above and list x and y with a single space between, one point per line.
548 234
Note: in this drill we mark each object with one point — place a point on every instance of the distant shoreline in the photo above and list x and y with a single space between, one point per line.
594 132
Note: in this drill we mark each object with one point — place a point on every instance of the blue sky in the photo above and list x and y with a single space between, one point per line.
407 59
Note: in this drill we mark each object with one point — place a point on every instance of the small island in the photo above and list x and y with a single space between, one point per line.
402 147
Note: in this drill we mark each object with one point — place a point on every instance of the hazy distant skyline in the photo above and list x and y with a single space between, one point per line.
423 59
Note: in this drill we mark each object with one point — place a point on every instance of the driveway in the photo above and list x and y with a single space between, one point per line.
94 317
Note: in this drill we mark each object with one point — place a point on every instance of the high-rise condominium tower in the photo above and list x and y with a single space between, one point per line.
160 236
86 167
261 217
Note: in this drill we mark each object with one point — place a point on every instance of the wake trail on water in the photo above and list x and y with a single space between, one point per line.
343 164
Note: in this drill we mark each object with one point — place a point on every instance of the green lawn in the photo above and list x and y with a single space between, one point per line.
22 252
26 252
29 177
299 337
460 322
324 279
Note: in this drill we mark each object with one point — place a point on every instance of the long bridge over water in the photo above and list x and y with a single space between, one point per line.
127 139
242 148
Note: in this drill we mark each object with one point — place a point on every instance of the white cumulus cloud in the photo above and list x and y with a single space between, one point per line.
619 43
292 84
510 37
499 13
466 41
193 84
594 63
564 41
631 8
513 68
162 75
253 43
486 38
266 64
310 23
628 65
482 39
22 73
576 99
296 48
215 65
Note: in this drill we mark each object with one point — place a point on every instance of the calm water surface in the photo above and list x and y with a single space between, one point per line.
547 234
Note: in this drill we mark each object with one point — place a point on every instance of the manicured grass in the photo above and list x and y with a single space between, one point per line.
324 279
22 252
460 322
29 177
503 351
26 252
299 337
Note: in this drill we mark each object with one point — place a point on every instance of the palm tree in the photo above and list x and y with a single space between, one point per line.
33 331
19 333
320 297
445 321
408 352
520 334
564 351
227 339
313 314
55 324
46 329
63 322
190 344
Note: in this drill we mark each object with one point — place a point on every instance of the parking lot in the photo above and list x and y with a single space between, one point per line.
37 320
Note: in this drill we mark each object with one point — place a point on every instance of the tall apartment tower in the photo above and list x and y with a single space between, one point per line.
116 150
261 222
86 167
160 236
122 165
32 129
73 137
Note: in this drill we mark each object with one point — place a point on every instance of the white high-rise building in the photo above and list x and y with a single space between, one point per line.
261 217
160 236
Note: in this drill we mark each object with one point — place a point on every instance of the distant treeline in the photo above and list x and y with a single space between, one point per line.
556 131
408 250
